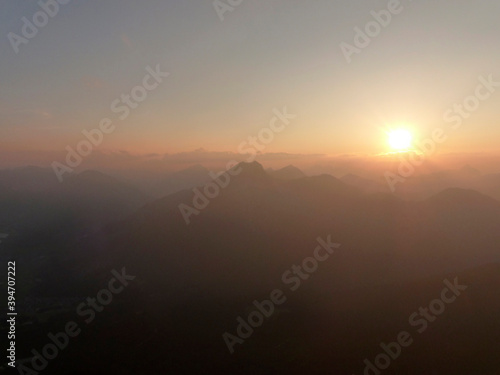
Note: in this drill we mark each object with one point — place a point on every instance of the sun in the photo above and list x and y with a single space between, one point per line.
400 139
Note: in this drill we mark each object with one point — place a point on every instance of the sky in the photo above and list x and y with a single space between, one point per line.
230 72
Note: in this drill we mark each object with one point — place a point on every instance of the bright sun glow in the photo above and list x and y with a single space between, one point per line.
400 139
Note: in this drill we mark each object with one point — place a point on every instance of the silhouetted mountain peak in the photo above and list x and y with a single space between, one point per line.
253 168
290 172
252 172
290 167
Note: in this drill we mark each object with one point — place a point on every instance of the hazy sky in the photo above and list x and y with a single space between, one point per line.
226 77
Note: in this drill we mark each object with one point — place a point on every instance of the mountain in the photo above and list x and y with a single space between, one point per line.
427 185
391 239
424 186
289 172
194 280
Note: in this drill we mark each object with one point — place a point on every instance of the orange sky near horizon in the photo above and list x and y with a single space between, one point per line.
226 79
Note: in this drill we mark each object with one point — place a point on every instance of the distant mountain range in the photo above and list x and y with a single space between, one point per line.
424 186
193 280
259 215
